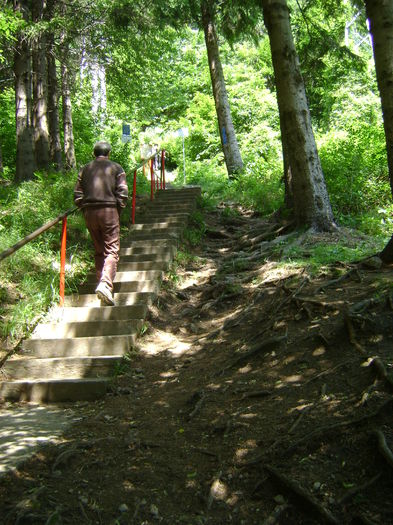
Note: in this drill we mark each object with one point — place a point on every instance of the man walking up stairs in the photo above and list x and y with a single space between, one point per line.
72 356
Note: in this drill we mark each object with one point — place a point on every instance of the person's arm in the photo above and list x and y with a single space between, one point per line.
121 190
78 191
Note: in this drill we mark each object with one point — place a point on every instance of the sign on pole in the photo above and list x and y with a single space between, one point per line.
126 133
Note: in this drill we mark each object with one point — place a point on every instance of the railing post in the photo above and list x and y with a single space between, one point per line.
163 167
151 180
133 198
63 259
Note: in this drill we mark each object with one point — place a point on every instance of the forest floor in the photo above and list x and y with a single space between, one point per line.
261 393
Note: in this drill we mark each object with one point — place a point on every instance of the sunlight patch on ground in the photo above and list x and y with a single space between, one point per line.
195 277
270 272
164 342
25 429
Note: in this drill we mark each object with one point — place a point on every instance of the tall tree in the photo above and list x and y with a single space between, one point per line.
230 147
68 129
380 16
310 198
206 15
25 161
53 95
40 90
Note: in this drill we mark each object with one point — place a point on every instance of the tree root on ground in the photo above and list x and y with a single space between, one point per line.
316 434
265 345
357 490
301 494
383 447
338 280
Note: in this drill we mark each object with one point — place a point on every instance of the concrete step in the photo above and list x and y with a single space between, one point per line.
61 367
149 285
147 257
86 329
159 217
55 390
153 236
157 225
158 250
130 276
98 313
147 244
79 346
128 266
171 206
121 299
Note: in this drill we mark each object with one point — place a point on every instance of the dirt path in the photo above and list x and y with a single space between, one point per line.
254 399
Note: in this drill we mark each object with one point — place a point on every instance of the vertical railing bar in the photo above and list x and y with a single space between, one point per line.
133 198
63 247
163 167
151 180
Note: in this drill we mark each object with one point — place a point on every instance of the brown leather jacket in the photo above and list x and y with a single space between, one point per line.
101 184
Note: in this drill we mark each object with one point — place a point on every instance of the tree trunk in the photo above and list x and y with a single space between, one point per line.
230 147
310 198
69 150
53 109
1 160
25 162
40 120
40 92
380 16
55 151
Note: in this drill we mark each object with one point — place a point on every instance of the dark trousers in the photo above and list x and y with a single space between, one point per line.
104 227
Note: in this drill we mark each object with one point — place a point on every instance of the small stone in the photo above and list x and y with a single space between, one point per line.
123 508
154 510
316 486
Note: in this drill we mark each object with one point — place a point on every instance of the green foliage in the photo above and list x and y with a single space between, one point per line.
313 253
353 156
29 279
10 22
7 132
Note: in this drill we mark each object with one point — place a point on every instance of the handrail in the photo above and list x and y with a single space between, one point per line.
63 217
154 184
34 234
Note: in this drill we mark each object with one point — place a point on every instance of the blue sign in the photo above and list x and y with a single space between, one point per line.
224 135
126 129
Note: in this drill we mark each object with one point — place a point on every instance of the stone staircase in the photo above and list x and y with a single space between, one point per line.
74 354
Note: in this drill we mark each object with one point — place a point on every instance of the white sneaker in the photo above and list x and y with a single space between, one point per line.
104 294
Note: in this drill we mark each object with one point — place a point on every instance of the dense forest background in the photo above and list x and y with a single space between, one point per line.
74 72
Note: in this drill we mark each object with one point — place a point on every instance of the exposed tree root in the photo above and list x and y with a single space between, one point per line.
256 349
328 371
381 370
383 447
316 434
357 490
336 281
352 335
323 431
301 494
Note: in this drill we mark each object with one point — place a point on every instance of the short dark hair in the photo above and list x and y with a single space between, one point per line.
102 148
